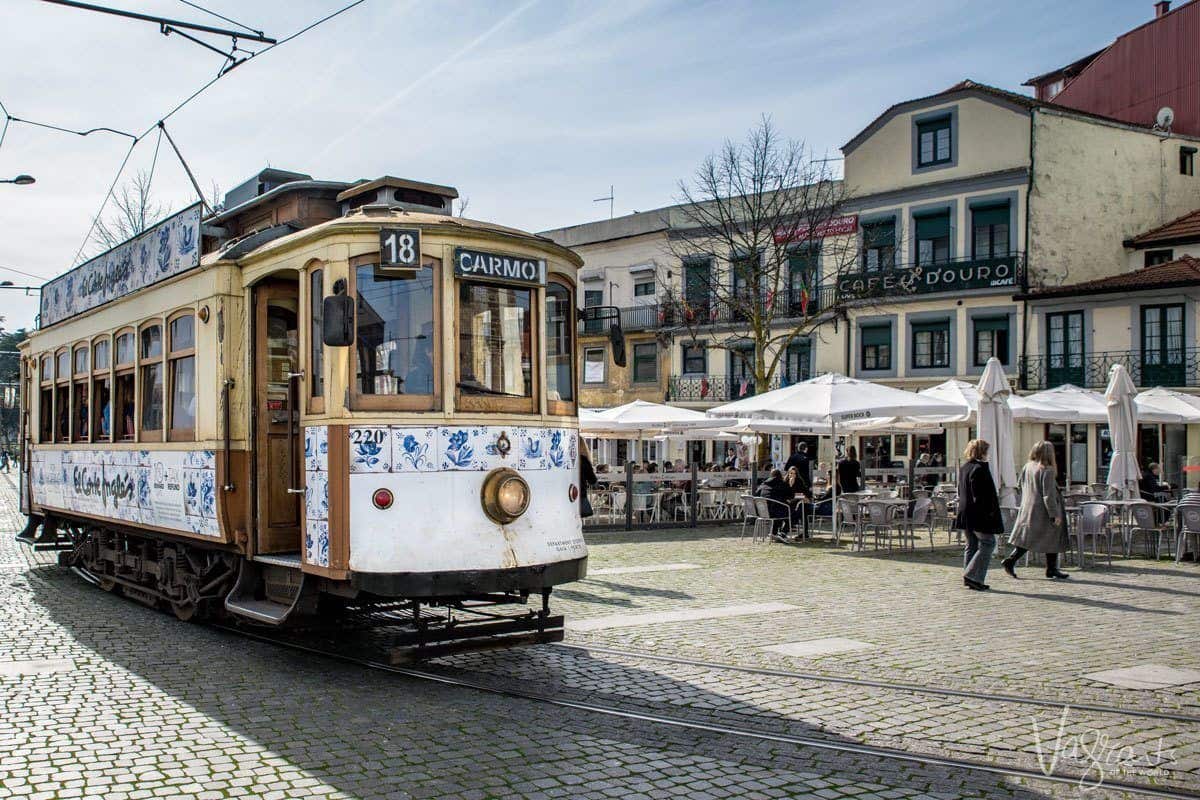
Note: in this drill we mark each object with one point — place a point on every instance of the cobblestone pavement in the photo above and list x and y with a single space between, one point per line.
128 702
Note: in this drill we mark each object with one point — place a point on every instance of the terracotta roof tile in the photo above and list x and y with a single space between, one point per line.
1185 227
1183 271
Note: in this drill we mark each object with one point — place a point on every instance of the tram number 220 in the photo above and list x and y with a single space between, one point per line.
400 247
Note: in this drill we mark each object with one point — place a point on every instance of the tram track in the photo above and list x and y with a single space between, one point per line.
742 732
910 688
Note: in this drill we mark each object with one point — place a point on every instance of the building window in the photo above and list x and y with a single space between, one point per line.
1163 362
1153 257
803 275
594 361
933 142
181 372
316 347
151 368
991 339
989 231
879 245
696 285
798 364
645 363
593 298
695 359
560 345
643 289
931 344
876 346
933 237
1187 160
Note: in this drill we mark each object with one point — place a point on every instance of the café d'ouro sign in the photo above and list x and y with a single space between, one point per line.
930 278
499 267
806 231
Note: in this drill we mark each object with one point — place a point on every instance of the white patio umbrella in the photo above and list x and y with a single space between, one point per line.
1091 406
1123 472
639 419
834 399
967 395
1168 401
995 417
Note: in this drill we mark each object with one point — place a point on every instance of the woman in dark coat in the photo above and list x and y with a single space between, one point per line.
978 514
778 489
1040 524
849 473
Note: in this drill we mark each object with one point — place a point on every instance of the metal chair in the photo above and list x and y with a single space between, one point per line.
942 516
848 511
749 516
1187 516
879 520
1144 520
646 504
1093 524
765 504
617 505
921 517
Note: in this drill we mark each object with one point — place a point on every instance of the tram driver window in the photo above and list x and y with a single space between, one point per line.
495 342
125 403
182 375
394 342
151 352
560 347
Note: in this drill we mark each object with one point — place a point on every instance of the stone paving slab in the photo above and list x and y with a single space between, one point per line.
1147 676
685 615
818 647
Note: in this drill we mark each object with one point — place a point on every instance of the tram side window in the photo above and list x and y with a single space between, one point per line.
46 402
182 374
560 348
395 336
79 394
152 381
495 345
101 391
125 400
62 396
316 296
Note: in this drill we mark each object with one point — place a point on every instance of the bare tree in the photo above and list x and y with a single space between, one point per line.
762 237
216 197
133 209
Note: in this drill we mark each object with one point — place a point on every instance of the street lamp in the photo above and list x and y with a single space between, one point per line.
20 180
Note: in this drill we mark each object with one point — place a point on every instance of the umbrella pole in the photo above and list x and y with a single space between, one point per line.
833 509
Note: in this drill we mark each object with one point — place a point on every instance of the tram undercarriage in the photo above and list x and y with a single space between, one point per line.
201 583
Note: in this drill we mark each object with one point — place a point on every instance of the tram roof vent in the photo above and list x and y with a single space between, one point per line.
389 192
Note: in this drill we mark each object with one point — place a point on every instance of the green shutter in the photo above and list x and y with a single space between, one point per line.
991 323
877 335
940 325
990 215
879 234
933 226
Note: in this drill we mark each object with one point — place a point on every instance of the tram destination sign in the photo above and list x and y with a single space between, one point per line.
160 252
499 267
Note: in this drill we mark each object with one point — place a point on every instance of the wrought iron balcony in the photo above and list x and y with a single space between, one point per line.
633 318
718 388
1172 369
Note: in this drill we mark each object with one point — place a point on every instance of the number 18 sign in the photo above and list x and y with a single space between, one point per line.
400 247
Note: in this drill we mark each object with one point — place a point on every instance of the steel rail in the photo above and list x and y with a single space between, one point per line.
1142 789
913 688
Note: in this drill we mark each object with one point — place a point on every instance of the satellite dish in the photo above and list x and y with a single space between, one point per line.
1165 118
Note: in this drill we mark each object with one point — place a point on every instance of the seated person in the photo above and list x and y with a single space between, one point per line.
803 492
776 488
1151 485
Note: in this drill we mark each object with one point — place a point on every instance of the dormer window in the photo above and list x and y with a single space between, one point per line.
934 145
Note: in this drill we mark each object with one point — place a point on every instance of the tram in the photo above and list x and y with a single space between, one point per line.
326 395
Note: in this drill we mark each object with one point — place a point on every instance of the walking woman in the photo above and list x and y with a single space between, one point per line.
978 514
1040 521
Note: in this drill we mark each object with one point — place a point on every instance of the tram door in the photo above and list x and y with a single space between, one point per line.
276 432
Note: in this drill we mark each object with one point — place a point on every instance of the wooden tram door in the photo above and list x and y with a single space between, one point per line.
276 428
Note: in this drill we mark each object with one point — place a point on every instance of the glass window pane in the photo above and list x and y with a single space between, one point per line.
943 144
495 343
81 360
125 348
316 295
125 406
152 346
394 341
100 391
63 365
80 411
183 393
152 397
47 371
560 347
183 333
645 363
593 365
100 358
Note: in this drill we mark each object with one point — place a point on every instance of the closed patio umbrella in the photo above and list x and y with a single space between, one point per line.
995 417
1123 471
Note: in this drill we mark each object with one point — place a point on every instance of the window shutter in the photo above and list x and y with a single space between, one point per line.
933 226
934 327
879 234
877 335
991 324
990 215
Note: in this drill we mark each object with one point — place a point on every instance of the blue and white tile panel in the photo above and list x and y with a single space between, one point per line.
174 489
401 449
316 495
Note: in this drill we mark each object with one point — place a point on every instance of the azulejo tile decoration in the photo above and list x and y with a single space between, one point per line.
316 484
316 448
454 448
316 543
370 450
414 449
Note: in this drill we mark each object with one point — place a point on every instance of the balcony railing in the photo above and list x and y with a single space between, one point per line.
717 388
633 318
1175 369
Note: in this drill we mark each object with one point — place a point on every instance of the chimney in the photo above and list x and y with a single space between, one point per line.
1161 8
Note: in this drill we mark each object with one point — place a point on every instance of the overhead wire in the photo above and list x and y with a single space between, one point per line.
107 195
218 16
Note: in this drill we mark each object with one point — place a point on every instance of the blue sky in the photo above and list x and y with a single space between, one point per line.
532 108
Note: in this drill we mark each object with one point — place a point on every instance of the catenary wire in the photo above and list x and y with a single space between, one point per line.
219 16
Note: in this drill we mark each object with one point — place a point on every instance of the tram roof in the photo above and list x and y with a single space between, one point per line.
374 217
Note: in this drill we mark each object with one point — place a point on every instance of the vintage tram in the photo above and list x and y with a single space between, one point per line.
326 394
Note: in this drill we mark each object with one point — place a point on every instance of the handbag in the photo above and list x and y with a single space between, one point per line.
585 505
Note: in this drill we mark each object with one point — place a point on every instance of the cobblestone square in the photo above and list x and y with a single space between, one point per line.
103 697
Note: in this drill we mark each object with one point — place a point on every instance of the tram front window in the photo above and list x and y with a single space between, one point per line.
495 342
395 338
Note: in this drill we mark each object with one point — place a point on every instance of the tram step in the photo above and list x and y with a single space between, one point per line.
252 583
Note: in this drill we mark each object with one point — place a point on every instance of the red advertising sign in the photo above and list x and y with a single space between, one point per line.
838 226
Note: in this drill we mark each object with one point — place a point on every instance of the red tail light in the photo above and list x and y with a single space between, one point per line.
382 498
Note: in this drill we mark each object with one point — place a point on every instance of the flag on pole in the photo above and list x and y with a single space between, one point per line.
743 387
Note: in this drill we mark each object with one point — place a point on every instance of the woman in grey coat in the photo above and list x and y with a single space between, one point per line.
1040 524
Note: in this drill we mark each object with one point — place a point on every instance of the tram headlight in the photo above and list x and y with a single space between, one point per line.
505 495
